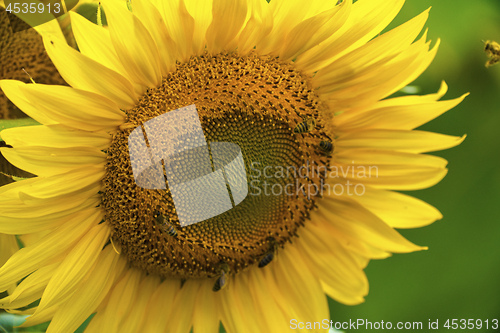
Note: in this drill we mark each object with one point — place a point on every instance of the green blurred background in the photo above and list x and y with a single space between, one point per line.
459 276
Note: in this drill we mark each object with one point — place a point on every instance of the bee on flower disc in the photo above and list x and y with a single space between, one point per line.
306 126
221 281
165 223
326 146
492 50
269 255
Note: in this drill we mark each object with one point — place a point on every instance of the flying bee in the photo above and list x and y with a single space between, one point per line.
306 126
326 146
221 281
492 50
166 224
269 255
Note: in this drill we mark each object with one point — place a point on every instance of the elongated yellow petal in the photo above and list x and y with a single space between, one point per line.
287 14
75 266
31 288
127 32
90 292
314 31
155 23
120 303
181 319
398 210
95 42
354 219
47 249
201 12
206 317
228 19
268 304
368 18
383 46
81 72
399 117
239 308
380 80
307 300
398 140
335 266
62 185
12 90
258 26
160 306
52 161
27 224
180 26
75 108
57 136
135 321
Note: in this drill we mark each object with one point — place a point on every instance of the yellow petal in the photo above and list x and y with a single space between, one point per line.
347 240
75 266
42 317
381 79
398 210
160 306
50 247
133 44
45 161
304 296
355 220
366 20
155 23
31 288
89 293
27 224
181 318
385 169
239 308
136 319
270 305
180 26
57 136
380 48
206 316
335 266
94 42
399 140
287 14
200 11
75 108
120 303
12 90
228 19
62 185
314 31
399 117
81 72
258 26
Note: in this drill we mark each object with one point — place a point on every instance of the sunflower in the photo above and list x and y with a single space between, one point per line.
300 87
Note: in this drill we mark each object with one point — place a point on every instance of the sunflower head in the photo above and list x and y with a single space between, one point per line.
293 163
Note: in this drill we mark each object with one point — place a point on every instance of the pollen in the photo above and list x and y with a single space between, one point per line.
255 102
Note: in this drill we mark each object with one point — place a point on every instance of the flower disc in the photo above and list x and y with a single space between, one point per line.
255 102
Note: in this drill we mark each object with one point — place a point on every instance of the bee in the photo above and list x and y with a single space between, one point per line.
221 281
269 255
326 146
166 224
492 50
306 126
